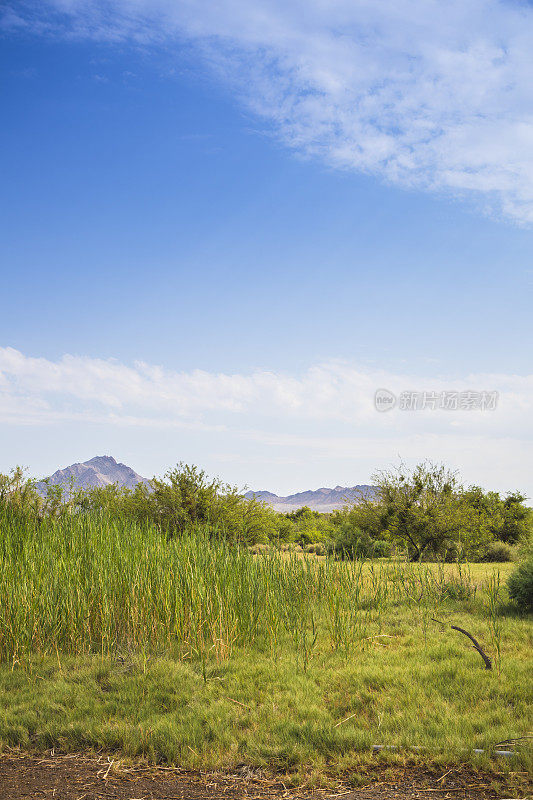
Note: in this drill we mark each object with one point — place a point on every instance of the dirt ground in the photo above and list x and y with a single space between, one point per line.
99 777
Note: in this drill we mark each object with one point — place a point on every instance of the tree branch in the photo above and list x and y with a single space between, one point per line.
477 646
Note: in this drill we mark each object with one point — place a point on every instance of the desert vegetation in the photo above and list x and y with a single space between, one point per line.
424 514
143 621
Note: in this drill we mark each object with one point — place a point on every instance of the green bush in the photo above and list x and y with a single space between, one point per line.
498 552
351 542
307 526
186 497
453 553
520 584
260 549
428 512
381 548
317 548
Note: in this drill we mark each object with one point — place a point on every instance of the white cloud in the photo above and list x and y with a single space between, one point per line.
335 392
424 94
320 422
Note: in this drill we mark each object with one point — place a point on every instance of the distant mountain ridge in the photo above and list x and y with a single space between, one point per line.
102 471
99 471
323 499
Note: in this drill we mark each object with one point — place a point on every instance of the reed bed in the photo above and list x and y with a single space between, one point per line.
107 629
92 583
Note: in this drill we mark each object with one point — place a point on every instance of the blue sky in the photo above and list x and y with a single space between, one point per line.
217 239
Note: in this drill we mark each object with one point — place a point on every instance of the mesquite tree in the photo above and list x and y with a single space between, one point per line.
427 509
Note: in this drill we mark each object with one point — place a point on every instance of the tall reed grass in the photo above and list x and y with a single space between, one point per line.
95 583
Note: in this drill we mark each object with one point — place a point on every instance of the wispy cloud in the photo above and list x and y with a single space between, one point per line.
425 94
336 391
323 416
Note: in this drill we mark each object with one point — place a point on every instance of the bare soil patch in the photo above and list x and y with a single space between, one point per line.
97 777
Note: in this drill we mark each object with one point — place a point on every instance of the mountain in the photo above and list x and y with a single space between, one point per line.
319 500
104 470
97 472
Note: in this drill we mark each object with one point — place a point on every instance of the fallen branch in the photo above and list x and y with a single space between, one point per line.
477 646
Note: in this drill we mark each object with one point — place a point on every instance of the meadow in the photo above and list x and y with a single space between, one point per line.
192 649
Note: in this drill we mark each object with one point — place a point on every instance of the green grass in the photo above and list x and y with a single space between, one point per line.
197 652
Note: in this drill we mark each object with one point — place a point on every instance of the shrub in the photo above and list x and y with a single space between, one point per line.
260 549
520 584
381 548
183 498
307 526
525 546
307 537
317 548
351 542
457 587
291 547
453 553
498 551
